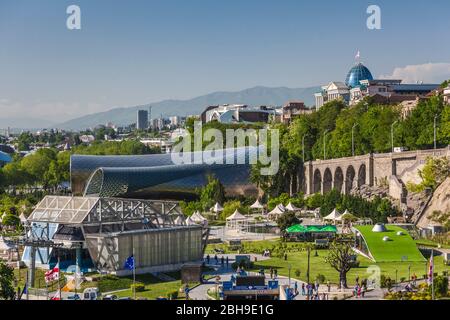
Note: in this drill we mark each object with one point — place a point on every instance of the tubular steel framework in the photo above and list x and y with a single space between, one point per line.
107 227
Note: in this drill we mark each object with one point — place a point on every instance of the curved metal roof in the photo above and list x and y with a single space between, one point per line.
4 157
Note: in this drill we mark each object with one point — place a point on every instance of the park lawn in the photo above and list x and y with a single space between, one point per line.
318 265
399 248
154 290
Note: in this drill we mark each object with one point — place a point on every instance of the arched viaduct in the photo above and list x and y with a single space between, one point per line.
372 169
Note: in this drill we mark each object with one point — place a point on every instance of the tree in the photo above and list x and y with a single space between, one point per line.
286 220
212 193
7 291
340 257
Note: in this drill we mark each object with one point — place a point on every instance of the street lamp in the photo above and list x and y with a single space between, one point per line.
434 130
353 139
303 147
324 144
290 266
392 134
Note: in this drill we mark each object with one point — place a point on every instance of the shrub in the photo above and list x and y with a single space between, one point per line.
138 287
321 278
297 272
440 286
172 295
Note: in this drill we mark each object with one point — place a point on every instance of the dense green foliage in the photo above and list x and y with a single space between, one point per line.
7 291
126 147
435 171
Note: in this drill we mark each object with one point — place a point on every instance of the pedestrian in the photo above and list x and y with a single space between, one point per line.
303 289
271 273
207 259
317 285
324 296
217 259
359 291
227 261
328 286
285 256
222 261
363 291
275 273
296 288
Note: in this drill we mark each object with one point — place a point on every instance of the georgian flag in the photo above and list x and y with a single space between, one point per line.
53 274
56 296
358 55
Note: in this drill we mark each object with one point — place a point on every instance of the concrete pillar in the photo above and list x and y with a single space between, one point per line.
370 169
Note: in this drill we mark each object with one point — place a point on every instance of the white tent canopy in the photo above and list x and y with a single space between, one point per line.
189 221
23 219
257 205
291 207
334 215
198 218
236 216
179 220
217 208
278 210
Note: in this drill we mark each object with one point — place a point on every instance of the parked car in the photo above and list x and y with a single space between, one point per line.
91 294
110 297
74 297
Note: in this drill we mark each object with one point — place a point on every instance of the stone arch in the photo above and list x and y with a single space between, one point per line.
362 175
317 181
327 181
338 180
349 177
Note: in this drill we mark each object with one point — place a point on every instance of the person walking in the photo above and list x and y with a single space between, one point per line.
296 288
303 289
222 261
208 258
227 262
275 273
217 259
328 286
317 286
271 273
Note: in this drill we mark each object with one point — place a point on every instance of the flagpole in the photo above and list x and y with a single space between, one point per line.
432 275
134 273
59 279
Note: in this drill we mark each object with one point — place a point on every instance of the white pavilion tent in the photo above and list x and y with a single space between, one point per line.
333 216
277 211
198 218
235 219
291 207
258 206
179 221
217 208
189 221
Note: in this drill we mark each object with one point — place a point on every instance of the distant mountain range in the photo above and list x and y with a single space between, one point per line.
253 97
17 124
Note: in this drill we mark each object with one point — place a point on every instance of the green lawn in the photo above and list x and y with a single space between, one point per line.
395 250
155 290
318 265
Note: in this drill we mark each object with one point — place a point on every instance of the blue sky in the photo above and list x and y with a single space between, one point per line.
136 52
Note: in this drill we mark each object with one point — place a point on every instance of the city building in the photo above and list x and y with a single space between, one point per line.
235 113
446 95
142 120
87 138
292 109
175 121
360 84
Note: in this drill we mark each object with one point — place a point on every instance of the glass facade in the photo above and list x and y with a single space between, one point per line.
356 74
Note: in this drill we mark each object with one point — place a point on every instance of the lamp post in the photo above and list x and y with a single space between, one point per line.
409 273
303 147
324 144
392 135
353 139
290 267
434 131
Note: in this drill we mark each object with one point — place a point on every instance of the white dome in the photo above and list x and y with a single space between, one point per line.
379 227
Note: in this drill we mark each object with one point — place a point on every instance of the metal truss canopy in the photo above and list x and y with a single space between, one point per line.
86 211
